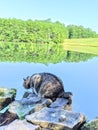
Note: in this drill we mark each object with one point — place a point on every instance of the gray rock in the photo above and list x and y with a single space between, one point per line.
6 96
91 125
56 119
17 107
17 110
20 125
31 100
61 103
7 117
39 106
28 94
20 110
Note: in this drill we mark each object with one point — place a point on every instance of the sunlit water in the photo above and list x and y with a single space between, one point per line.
79 78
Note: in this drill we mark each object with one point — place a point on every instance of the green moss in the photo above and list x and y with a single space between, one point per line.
1 93
92 125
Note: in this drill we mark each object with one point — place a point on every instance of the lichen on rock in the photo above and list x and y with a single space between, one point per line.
6 96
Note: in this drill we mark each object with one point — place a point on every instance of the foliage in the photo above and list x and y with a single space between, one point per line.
29 52
77 56
40 31
80 32
14 30
39 53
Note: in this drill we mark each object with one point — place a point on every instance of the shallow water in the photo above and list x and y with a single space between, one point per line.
80 78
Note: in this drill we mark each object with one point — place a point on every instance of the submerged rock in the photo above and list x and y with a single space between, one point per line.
56 119
6 96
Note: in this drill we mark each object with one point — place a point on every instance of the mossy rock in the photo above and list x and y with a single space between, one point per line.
91 125
6 96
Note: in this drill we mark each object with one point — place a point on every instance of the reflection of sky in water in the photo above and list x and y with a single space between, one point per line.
80 78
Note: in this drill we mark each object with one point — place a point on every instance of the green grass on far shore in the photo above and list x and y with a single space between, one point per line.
86 45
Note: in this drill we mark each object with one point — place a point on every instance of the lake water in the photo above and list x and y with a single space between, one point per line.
80 78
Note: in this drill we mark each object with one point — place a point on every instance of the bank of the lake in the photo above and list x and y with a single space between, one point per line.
85 45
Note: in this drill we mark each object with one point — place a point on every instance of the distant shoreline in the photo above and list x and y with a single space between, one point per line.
85 45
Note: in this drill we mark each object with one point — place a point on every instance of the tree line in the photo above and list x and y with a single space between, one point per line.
40 31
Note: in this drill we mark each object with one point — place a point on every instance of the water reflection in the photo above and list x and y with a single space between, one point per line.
41 53
72 56
80 78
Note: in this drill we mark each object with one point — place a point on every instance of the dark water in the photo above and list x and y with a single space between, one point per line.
80 78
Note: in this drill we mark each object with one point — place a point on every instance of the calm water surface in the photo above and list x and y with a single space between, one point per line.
80 78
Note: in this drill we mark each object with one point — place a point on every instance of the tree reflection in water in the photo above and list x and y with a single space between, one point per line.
40 53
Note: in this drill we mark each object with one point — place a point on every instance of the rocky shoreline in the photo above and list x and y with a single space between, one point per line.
35 113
